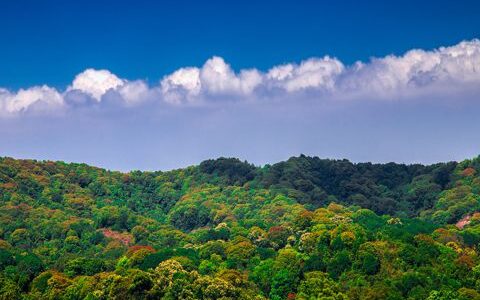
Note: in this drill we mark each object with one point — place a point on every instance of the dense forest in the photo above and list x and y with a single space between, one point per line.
306 228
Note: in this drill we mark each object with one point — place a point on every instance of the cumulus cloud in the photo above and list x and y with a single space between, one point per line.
215 77
416 72
313 73
95 82
41 97
389 77
183 84
133 92
417 69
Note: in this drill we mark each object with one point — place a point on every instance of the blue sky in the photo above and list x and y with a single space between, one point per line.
49 42
161 85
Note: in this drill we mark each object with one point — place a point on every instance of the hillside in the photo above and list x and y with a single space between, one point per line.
306 228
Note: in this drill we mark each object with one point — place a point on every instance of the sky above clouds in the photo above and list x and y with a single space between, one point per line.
417 104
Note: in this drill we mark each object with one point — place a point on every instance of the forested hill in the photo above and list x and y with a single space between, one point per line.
305 228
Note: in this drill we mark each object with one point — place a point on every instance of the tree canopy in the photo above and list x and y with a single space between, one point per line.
305 228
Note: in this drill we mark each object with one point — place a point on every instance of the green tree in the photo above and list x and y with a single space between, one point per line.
317 285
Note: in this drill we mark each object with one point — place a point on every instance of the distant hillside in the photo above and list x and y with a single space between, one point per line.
305 228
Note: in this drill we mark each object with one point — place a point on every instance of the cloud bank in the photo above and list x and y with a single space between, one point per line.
416 73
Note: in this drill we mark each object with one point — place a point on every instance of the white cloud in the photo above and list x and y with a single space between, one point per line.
181 84
414 70
313 73
217 77
417 72
41 96
133 92
95 82
249 80
214 78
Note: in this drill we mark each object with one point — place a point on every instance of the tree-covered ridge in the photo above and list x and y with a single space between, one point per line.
306 228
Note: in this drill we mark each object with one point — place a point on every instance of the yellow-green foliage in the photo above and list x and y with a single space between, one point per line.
301 229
